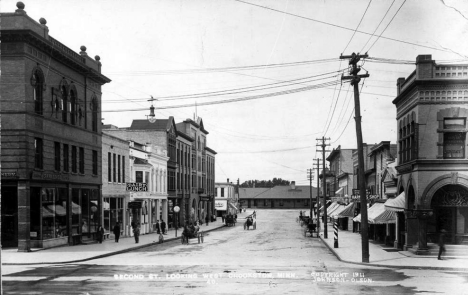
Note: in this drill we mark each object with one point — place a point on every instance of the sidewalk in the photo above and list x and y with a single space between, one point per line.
349 251
80 253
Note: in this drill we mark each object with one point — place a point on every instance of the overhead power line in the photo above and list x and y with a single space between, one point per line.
344 28
387 26
242 89
290 91
357 26
224 69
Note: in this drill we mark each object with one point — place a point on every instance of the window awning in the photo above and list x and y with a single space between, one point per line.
337 211
46 212
321 208
59 210
397 204
348 211
76 209
331 207
339 191
378 215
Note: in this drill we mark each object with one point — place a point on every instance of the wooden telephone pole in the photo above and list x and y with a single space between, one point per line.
310 177
324 185
317 215
355 78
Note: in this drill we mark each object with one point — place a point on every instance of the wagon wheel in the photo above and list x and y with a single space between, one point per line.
255 225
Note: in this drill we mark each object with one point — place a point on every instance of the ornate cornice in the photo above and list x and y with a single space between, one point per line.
76 62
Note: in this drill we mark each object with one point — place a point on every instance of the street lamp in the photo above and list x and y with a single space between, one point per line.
152 116
176 210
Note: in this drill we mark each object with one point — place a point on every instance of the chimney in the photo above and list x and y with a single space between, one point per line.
293 185
399 84
424 66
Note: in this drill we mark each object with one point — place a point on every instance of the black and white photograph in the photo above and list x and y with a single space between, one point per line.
234 147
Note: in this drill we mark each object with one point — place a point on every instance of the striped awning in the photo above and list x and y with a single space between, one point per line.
331 207
397 204
378 215
337 211
328 202
348 211
381 216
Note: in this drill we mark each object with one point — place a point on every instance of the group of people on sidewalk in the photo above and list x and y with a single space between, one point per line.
161 229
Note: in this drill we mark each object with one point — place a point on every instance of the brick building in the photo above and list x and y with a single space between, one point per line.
202 193
341 168
115 173
432 112
51 137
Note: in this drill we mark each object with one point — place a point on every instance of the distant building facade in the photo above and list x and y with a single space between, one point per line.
278 197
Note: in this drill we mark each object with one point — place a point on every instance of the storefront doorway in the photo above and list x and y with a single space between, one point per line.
450 213
9 217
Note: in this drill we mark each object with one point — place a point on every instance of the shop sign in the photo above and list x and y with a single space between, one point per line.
50 176
134 205
9 175
136 187
221 205
33 234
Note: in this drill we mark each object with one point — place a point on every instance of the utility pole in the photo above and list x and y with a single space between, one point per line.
310 177
355 78
317 215
324 185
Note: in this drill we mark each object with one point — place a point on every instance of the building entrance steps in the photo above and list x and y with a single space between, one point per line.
349 250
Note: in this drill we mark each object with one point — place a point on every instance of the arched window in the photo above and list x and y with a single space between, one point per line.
72 107
37 81
64 100
94 117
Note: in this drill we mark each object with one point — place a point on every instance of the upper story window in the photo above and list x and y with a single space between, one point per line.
64 94
407 140
37 81
222 192
139 176
38 153
94 117
454 142
72 107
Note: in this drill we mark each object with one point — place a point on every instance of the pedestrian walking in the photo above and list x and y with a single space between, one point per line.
116 231
163 227
136 233
207 219
100 234
158 227
222 217
441 243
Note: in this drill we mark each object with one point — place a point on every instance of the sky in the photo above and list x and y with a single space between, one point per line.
264 76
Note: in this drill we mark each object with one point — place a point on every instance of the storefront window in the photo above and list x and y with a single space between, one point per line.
76 212
35 213
53 211
113 212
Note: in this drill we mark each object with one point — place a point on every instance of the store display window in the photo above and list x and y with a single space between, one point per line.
48 213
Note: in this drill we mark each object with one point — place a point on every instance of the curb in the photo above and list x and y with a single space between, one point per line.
391 266
108 254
